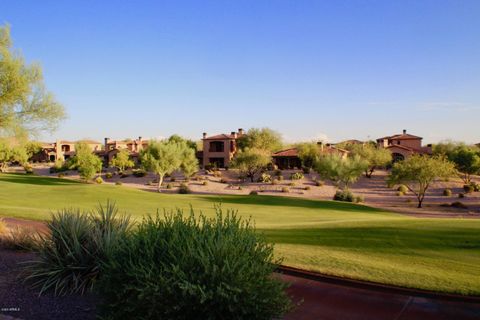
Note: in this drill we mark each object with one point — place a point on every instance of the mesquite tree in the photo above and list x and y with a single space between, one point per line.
418 172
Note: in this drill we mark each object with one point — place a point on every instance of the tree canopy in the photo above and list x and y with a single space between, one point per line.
251 162
164 157
26 106
309 153
87 163
122 160
418 172
375 157
344 171
261 139
466 158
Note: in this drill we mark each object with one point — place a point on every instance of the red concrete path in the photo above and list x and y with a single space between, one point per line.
323 300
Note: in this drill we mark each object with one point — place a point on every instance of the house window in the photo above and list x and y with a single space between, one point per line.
217 146
398 142
65 148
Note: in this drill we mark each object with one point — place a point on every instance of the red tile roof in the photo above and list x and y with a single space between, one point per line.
220 137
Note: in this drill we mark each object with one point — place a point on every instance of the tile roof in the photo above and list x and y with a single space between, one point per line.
402 136
220 137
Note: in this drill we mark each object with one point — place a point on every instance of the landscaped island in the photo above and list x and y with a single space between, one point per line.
342 239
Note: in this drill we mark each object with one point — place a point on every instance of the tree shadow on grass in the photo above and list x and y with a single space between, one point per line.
291 202
380 239
35 180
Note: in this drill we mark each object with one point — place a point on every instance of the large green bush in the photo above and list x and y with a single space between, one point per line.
180 266
70 254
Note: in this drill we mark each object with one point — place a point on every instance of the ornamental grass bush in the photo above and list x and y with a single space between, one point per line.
402 188
187 266
296 176
447 192
344 195
70 255
184 189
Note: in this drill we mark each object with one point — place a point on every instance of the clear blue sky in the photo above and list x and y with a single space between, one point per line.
309 69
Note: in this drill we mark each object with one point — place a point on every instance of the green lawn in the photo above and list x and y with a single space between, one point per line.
334 238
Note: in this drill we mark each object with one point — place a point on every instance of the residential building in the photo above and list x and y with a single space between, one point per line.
112 147
403 145
220 149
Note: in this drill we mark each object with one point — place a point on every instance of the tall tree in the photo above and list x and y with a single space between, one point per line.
467 161
375 157
309 153
164 157
26 107
122 160
418 172
88 164
344 171
250 162
262 139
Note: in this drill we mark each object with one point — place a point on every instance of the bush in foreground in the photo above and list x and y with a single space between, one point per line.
70 255
180 266
347 196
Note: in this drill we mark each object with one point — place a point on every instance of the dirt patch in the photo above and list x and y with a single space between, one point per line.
18 300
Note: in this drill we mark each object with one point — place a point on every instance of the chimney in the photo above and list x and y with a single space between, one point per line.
204 135
140 139
240 131
320 143
404 131
234 134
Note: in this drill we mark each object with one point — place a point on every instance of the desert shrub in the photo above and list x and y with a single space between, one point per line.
344 195
173 179
306 170
458 204
402 188
292 184
359 199
118 183
169 185
19 239
447 192
277 173
319 183
476 186
261 189
265 178
70 255
28 169
61 175
296 176
285 190
307 188
205 183
468 188
400 193
461 195
217 174
99 180
180 266
108 175
223 180
253 193
184 189
275 181
139 173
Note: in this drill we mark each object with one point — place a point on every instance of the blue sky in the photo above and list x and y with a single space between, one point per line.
309 69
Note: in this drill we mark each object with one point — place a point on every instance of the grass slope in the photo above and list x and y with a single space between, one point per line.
334 238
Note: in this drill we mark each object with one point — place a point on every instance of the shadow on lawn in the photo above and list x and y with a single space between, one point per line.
380 238
35 180
291 202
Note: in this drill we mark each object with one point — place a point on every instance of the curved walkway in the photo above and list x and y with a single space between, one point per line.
324 298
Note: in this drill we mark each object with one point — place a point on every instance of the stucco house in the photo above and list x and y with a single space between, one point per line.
112 147
288 158
403 145
220 149
62 150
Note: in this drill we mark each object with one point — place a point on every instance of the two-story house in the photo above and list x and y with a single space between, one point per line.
220 149
403 145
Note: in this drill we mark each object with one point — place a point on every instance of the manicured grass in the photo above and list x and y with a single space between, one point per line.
335 238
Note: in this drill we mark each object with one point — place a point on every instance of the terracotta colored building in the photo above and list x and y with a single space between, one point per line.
62 150
403 145
288 158
220 149
112 147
